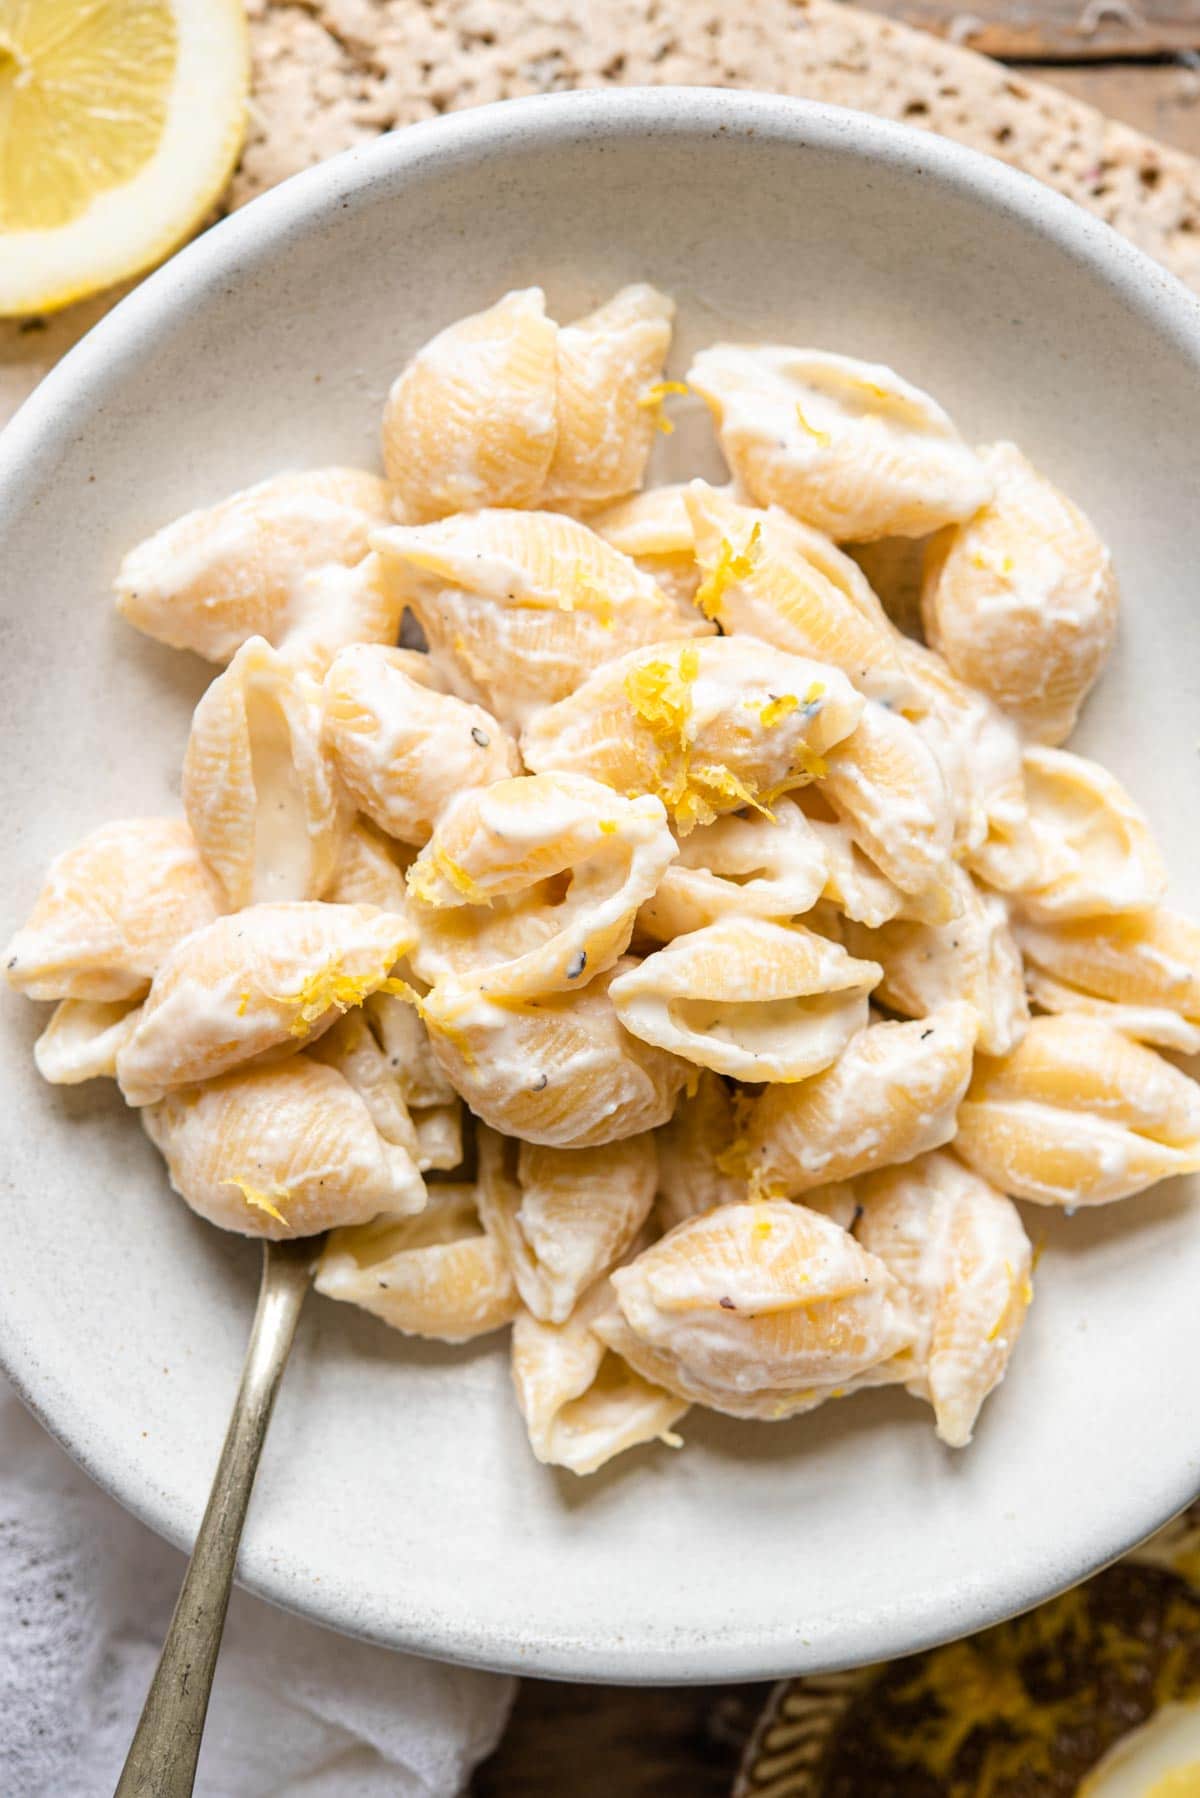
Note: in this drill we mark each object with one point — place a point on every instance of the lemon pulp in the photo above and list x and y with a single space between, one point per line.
83 101
120 123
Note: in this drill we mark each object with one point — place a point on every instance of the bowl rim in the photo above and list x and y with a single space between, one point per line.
258 232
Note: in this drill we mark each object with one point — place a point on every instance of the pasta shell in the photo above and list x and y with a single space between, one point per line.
769 576
1078 1115
757 1310
111 910
696 1153
848 446
563 1216
557 1070
1145 1023
405 1040
402 751
483 888
959 1249
1138 970
887 786
268 978
891 1095
1095 852
749 866
609 368
334 607
974 957
1022 599
706 726
471 421
852 881
219 576
439 1131
281 1151
654 530
433 1106
370 869
979 752
350 1046
382 1049
438 1274
582 1404
82 1039
258 788
748 998
519 607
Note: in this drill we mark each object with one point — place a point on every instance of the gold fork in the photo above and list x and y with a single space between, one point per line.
166 1745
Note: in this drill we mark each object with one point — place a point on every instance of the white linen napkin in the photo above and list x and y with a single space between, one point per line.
86 1592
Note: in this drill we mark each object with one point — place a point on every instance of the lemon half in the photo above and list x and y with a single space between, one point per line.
120 123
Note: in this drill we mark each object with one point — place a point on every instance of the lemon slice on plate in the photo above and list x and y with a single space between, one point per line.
120 123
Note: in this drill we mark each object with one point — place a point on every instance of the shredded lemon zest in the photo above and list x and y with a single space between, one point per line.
589 594
243 1004
402 990
331 987
822 437
809 763
261 1201
422 881
730 566
607 827
660 694
429 870
726 785
651 400
776 710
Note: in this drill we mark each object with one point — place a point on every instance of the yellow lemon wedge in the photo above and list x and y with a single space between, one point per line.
120 123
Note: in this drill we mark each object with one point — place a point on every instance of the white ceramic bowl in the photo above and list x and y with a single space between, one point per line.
398 1499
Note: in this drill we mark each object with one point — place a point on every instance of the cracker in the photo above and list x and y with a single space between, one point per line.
331 73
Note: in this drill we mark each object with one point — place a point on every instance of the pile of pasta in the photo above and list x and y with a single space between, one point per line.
676 959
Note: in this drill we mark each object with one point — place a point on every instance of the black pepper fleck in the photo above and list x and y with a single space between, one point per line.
926 1033
480 736
541 1083
727 1304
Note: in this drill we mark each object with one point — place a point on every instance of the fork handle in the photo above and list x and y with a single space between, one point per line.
166 1745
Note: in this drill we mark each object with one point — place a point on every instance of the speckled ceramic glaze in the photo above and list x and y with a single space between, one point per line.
398 1498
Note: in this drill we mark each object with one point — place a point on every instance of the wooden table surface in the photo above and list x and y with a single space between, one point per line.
1140 63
